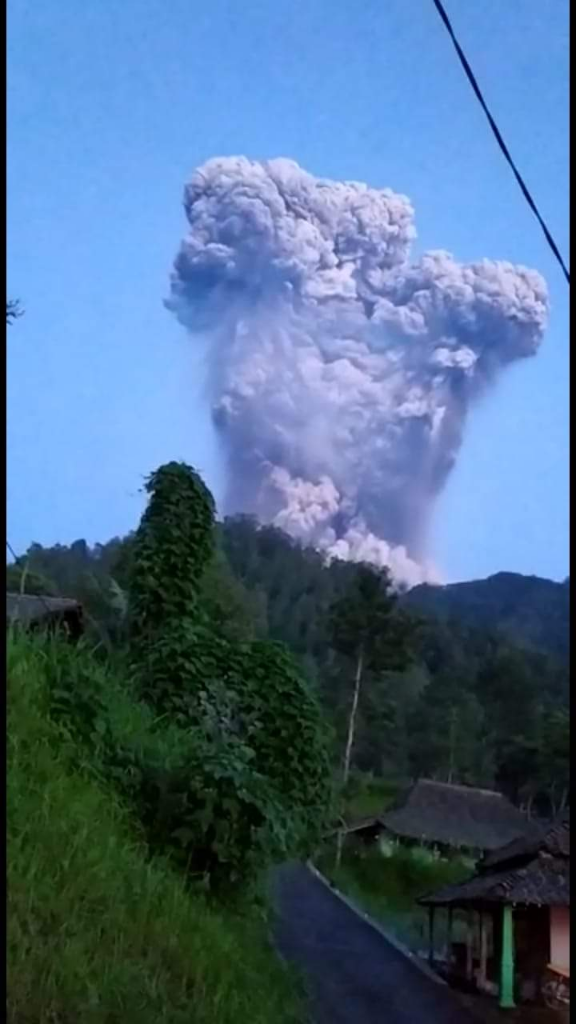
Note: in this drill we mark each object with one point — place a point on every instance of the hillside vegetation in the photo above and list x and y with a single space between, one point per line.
482 700
156 771
529 611
232 694
474 704
98 931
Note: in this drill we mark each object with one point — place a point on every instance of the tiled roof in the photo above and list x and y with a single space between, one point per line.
538 875
553 839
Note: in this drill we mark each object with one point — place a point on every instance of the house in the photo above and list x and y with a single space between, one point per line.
36 611
517 915
452 817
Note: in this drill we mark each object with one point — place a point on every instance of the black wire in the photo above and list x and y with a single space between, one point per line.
499 139
12 552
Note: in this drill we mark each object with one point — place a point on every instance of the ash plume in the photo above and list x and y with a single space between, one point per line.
341 373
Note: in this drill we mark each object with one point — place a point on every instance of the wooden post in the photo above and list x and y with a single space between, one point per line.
469 945
449 938
507 960
483 951
431 934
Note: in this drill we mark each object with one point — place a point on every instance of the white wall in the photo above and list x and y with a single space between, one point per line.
560 937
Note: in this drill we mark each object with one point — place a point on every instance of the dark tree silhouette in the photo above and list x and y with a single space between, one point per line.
13 310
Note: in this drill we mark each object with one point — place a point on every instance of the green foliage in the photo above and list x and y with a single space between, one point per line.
363 620
366 795
554 757
526 611
448 730
224 783
298 587
387 887
468 691
34 583
255 783
93 576
252 784
365 627
98 931
171 549
234 612
473 704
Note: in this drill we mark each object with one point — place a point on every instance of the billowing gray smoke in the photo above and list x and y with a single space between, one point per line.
341 373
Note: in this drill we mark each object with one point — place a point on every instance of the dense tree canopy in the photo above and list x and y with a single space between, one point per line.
475 703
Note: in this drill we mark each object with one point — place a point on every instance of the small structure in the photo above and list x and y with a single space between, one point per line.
364 830
517 913
36 612
452 817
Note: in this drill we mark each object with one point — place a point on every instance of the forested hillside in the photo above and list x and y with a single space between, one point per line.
529 611
483 697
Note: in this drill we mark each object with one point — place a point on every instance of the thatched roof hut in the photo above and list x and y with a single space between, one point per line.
456 816
34 611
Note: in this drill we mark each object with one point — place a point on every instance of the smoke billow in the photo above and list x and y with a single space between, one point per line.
341 373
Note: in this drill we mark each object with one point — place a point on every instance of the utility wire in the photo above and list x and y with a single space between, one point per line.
471 78
12 552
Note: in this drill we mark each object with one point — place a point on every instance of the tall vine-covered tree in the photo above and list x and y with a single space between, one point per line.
253 781
171 548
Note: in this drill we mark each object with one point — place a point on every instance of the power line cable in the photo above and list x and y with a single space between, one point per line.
498 136
12 552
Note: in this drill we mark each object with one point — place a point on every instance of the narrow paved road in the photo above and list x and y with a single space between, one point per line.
354 976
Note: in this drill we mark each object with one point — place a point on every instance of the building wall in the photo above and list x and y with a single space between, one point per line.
560 937
531 949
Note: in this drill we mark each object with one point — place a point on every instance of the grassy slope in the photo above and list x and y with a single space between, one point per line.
96 932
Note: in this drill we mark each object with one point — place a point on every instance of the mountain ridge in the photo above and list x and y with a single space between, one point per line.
531 611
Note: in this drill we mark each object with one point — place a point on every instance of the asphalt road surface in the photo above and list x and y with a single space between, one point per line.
353 975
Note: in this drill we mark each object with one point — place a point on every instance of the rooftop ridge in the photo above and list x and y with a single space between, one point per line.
461 786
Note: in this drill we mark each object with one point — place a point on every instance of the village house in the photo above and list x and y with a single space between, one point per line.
516 909
36 611
447 817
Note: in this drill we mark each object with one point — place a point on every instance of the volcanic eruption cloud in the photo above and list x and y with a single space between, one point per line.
340 372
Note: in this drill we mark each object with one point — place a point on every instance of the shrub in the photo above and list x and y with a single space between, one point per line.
98 931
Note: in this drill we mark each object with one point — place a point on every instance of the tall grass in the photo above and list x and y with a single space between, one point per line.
98 932
388 887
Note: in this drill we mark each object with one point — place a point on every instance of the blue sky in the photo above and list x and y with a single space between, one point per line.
110 108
